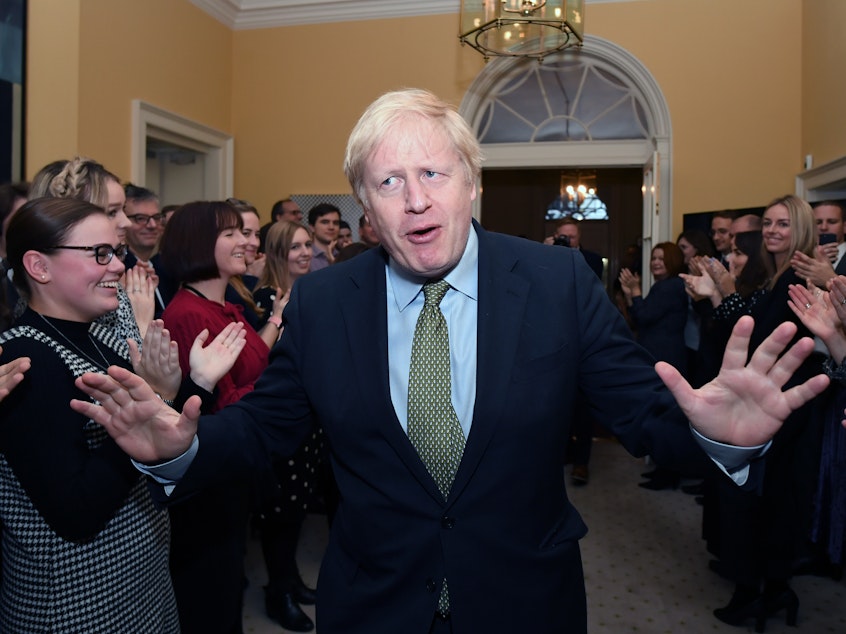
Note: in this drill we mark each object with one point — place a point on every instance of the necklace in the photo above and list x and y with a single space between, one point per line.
188 287
96 364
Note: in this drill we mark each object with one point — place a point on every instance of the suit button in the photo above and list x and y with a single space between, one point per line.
447 522
431 586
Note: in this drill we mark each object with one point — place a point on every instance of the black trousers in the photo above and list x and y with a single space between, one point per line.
441 625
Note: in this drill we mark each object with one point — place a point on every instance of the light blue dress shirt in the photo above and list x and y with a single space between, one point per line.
460 309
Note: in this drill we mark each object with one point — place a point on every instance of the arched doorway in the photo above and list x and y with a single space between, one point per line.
597 107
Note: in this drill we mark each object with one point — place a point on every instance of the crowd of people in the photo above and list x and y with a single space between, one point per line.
100 275
785 265
169 373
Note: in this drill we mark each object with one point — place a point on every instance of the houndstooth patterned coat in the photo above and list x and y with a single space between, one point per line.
115 581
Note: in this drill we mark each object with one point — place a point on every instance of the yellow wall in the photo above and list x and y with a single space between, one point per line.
731 72
299 90
736 133
823 88
52 83
115 51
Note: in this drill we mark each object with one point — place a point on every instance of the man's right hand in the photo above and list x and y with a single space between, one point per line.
139 421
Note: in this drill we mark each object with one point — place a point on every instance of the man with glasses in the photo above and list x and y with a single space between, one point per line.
285 209
142 236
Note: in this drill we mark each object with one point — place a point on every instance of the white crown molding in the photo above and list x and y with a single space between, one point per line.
263 14
260 14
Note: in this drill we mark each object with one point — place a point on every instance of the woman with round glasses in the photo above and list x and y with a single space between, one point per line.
81 535
86 179
84 548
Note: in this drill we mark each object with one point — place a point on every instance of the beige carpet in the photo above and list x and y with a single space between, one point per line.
645 564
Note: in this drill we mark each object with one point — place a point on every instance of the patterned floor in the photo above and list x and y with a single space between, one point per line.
645 564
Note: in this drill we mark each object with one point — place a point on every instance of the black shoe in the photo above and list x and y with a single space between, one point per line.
303 594
715 565
693 489
784 600
661 482
580 475
742 607
282 608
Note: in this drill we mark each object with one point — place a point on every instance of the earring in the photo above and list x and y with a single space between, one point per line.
43 277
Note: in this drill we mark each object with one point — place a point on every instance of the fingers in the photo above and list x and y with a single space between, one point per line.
799 296
90 410
231 332
236 346
117 383
838 296
191 409
798 395
200 339
15 366
737 348
768 359
12 373
134 353
676 383
790 361
153 338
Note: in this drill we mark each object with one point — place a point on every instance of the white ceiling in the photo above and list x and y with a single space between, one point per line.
257 14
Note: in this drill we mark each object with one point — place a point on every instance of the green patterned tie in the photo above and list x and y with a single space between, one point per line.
433 427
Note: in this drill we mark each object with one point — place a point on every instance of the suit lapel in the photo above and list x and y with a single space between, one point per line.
363 304
840 269
502 303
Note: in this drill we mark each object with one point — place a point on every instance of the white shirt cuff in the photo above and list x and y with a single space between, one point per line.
731 459
170 473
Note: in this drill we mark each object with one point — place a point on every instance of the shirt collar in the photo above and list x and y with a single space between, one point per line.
464 276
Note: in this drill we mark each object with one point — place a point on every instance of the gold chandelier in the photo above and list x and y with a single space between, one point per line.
521 28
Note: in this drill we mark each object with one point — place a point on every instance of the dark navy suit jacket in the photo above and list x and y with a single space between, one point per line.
507 538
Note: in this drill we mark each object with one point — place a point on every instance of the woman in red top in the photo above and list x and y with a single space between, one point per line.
202 248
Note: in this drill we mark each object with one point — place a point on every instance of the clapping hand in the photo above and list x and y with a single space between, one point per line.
817 269
11 374
815 310
210 363
700 286
141 288
630 283
158 361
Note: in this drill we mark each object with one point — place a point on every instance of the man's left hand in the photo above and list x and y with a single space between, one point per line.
745 405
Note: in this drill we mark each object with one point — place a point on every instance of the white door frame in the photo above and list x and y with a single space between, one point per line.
826 182
149 121
649 154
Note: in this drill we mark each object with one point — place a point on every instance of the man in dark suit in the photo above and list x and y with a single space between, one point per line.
492 546
568 233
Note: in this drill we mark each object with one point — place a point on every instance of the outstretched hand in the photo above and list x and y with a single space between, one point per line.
139 421
745 405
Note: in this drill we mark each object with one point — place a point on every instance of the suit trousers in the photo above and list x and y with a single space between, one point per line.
441 625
